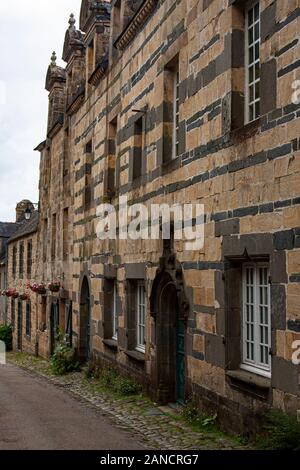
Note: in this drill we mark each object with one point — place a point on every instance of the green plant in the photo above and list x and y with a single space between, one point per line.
109 379
126 387
63 359
6 332
91 371
280 432
196 418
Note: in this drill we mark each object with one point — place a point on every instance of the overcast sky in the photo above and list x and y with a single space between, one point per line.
29 31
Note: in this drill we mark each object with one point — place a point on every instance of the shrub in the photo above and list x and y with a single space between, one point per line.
63 359
6 332
280 432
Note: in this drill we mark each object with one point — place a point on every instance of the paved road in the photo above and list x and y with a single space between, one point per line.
34 414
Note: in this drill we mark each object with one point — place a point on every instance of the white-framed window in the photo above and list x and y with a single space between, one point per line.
176 113
256 328
141 317
252 46
115 314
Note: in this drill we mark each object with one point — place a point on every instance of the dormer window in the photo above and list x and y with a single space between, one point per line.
116 26
91 58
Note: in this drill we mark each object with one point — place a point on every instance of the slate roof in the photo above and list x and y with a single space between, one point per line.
26 227
7 229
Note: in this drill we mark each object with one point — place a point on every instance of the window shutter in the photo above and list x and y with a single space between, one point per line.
268 86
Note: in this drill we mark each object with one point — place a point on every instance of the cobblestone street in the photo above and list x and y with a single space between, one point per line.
150 426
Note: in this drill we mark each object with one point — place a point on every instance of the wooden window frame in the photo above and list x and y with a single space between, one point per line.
256 61
254 364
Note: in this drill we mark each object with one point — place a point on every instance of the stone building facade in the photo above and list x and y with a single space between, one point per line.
21 270
7 230
174 102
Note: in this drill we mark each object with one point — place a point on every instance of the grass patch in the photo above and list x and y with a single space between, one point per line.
28 361
198 420
109 381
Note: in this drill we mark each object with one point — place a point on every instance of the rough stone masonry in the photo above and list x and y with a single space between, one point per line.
176 102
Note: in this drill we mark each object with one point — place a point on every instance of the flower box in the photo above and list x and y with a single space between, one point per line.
54 286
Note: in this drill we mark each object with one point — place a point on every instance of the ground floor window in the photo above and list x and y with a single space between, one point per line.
28 320
13 312
141 315
256 321
115 313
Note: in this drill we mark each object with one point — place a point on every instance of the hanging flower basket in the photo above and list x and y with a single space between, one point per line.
24 297
38 288
15 295
54 286
9 292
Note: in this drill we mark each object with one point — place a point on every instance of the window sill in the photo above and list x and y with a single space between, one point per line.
111 343
136 182
171 165
250 383
246 131
136 355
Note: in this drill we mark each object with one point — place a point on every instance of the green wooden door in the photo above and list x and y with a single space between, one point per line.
180 359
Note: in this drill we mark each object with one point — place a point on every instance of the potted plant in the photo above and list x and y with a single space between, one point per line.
54 286
15 294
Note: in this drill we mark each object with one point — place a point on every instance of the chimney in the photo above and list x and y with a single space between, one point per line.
21 209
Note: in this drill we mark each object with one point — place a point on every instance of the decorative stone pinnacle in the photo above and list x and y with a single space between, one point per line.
53 59
72 20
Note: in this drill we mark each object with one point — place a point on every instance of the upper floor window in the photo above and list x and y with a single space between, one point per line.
175 151
45 240
88 147
54 234
21 261
256 325
65 233
29 259
138 148
14 262
112 182
252 61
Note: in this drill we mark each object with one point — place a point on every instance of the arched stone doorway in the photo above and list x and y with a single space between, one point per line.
170 311
84 350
